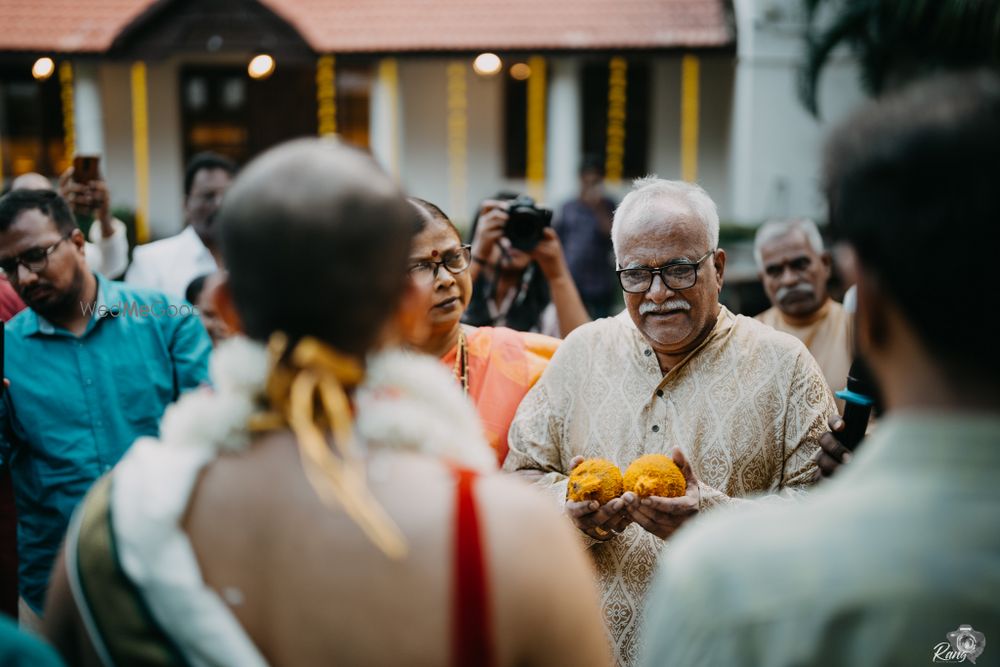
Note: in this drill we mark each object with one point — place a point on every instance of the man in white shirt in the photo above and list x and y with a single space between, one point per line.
171 264
107 247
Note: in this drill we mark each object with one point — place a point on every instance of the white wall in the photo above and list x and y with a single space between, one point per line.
166 158
385 117
714 109
88 119
715 102
665 118
776 144
424 134
424 169
564 130
117 162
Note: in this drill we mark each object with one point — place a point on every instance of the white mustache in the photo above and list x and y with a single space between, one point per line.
803 289
673 304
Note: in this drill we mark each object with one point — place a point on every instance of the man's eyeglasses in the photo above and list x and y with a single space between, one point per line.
454 262
35 260
675 275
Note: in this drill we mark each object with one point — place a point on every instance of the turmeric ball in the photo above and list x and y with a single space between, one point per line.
595 479
655 475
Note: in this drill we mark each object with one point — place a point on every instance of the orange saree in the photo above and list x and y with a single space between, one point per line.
503 365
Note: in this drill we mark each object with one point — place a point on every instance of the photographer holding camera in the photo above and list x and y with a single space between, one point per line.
519 272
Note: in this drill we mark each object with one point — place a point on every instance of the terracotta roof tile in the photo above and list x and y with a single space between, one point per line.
342 26
421 25
75 26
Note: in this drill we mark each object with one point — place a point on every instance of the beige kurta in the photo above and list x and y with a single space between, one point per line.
747 408
828 337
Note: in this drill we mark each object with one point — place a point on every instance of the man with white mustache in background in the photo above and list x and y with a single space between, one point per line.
794 270
739 406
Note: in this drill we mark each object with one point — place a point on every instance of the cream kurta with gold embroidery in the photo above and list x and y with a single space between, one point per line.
747 408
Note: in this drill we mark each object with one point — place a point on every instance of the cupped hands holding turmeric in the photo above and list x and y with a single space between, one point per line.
657 492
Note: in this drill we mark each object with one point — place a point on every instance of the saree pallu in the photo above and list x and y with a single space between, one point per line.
503 365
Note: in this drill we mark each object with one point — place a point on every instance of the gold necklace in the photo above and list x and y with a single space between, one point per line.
462 361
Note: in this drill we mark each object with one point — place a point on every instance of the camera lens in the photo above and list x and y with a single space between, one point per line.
526 224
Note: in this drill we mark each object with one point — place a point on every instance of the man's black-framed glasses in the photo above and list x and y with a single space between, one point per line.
454 262
35 260
678 275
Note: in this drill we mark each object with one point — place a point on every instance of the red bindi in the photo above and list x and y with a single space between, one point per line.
434 253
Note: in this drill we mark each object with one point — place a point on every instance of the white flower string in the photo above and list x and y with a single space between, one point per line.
407 403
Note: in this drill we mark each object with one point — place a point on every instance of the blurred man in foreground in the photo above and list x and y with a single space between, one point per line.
266 481
896 560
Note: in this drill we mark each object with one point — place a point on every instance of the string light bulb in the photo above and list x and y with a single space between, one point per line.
43 68
487 64
520 71
261 66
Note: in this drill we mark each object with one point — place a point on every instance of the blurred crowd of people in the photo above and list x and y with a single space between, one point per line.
320 425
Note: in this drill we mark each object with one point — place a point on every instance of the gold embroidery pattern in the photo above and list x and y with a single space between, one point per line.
747 409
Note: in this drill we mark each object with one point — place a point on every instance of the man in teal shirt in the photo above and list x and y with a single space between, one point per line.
21 649
896 560
92 365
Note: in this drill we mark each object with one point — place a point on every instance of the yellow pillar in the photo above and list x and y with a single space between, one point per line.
69 119
458 136
140 150
689 118
535 168
614 156
326 96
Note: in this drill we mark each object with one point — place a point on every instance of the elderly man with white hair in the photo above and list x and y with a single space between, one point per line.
739 406
794 269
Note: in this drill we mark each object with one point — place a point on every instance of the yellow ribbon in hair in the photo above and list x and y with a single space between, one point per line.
306 391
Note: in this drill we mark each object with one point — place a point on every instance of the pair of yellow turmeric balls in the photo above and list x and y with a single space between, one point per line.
602 480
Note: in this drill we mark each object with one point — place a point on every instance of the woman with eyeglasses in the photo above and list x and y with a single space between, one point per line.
496 366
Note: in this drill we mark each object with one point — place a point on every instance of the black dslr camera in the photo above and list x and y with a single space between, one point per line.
526 223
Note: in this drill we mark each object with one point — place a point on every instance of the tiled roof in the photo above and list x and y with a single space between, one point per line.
458 25
343 26
73 26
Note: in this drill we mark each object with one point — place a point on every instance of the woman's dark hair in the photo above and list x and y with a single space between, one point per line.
428 212
195 288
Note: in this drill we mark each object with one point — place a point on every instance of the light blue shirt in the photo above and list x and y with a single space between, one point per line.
75 404
876 567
